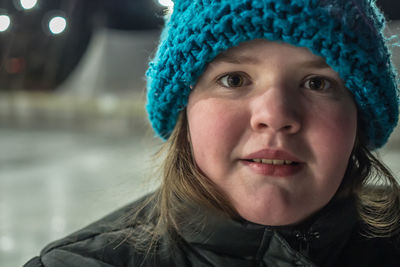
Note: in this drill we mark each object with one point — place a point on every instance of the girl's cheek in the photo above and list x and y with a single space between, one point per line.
215 127
331 115
334 128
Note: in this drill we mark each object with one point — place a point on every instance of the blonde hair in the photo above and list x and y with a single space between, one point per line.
183 188
367 179
377 193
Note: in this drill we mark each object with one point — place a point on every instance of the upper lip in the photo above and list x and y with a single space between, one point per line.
272 154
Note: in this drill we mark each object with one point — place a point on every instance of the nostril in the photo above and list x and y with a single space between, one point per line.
275 120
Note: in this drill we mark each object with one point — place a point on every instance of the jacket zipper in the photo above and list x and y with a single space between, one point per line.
305 238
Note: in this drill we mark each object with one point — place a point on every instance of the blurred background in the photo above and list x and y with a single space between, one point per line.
74 138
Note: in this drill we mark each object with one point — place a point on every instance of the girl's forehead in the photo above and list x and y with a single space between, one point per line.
256 50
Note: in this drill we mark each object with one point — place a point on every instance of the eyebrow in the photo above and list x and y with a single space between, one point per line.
318 63
236 59
241 59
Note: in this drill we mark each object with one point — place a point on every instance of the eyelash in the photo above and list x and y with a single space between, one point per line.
330 83
246 80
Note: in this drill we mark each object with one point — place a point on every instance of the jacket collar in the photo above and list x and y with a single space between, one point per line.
319 238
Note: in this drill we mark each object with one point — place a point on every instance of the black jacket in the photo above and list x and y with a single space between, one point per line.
331 238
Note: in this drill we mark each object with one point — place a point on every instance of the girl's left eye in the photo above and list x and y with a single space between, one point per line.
317 84
233 80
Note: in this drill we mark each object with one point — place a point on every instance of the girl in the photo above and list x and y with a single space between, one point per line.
270 110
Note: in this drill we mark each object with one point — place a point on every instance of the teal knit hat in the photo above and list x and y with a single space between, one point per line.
347 33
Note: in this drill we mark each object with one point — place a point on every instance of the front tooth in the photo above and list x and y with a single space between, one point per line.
267 161
278 162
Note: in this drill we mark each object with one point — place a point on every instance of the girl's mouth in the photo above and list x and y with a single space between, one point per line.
273 167
274 161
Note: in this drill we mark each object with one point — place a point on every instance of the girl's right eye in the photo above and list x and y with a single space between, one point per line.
233 80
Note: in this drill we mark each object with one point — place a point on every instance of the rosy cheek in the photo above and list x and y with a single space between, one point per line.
345 126
214 131
213 117
333 135
337 118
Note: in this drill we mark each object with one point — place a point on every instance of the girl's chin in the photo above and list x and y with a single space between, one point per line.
273 212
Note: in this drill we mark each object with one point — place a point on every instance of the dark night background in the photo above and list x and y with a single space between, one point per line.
43 60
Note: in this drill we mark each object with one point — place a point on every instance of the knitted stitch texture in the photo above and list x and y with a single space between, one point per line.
347 33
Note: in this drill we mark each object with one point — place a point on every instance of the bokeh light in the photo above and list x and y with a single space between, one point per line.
28 4
5 22
57 25
166 3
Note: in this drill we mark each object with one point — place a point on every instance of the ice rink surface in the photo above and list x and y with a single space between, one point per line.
52 183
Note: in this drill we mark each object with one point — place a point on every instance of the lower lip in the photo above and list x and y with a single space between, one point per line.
274 170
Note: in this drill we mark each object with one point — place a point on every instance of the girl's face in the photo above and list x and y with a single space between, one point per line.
273 126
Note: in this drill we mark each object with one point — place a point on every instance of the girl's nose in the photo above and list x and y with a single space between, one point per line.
276 110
